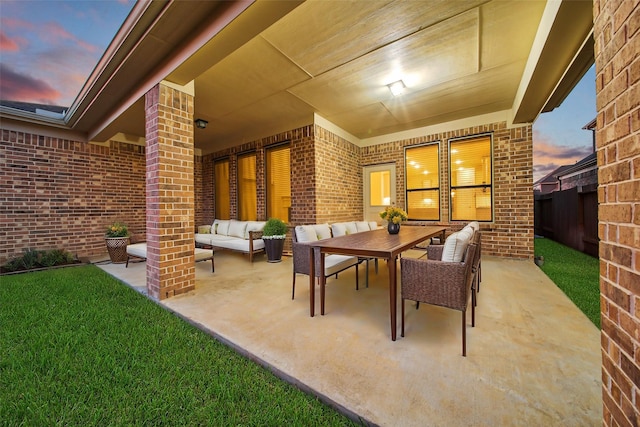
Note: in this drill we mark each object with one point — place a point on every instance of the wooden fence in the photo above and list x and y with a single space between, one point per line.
569 217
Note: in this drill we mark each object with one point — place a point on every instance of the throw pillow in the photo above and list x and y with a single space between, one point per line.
223 227
253 226
204 229
237 228
454 247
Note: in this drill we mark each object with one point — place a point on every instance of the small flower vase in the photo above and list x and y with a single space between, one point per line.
393 228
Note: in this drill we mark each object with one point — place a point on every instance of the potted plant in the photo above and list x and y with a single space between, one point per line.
273 234
394 217
117 239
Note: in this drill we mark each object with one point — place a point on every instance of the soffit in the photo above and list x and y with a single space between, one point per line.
458 59
336 58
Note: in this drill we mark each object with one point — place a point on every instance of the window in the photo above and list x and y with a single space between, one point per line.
422 182
278 186
221 172
247 196
470 175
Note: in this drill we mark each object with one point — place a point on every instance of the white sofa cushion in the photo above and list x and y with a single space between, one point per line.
237 228
253 226
373 225
454 247
221 226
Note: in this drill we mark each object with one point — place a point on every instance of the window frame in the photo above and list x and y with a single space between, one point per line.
275 146
438 188
490 186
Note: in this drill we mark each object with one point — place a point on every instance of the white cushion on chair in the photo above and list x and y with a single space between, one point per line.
312 233
338 229
373 225
362 226
334 263
454 247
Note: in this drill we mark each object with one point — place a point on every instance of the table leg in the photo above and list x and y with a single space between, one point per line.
312 278
323 282
393 295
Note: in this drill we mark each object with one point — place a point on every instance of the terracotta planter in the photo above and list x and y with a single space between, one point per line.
117 247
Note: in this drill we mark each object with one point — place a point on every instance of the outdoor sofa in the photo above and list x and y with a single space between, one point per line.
231 234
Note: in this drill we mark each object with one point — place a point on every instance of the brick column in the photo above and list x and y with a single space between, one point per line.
169 190
616 33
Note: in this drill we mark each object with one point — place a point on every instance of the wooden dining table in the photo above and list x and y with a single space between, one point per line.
369 244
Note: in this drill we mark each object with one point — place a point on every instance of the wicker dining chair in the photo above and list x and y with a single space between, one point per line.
442 283
334 263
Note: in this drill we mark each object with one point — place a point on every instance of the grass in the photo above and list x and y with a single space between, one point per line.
577 274
78 347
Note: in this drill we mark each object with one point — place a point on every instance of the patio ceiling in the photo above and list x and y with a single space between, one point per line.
279 63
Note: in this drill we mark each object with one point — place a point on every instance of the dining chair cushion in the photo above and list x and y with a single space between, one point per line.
335 263
362 226
351 227
339 229
454 247
312 233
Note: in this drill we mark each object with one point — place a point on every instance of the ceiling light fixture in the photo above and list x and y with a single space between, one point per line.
201 123
397 88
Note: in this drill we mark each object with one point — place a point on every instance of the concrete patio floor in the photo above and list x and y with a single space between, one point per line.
533 358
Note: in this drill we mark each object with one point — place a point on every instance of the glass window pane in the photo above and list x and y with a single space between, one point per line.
470 175
471 162
423 205
222 199
247 193
422 171
468 204
422 167
380 188
278 186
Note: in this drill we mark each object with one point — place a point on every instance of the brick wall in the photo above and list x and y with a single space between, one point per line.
616 34
338 179
511 233
57 193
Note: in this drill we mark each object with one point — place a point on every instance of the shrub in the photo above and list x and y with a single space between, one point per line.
33 258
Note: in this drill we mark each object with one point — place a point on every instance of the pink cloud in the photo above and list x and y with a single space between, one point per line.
53 29
18 87
548 156
7 44
16 24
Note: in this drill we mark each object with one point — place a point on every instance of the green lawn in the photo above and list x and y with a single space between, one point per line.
577 274
78 347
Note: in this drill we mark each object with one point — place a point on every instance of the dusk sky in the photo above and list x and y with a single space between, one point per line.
49 48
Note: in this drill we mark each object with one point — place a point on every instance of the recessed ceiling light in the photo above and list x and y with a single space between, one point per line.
397 88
